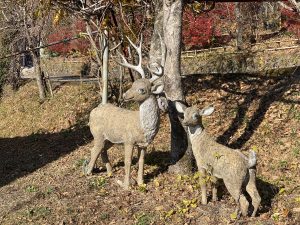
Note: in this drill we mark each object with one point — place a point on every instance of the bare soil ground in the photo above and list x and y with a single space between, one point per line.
43 147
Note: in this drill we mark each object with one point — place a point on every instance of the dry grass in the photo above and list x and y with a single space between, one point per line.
42 181
22 114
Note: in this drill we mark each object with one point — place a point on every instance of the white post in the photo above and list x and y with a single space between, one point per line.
105 67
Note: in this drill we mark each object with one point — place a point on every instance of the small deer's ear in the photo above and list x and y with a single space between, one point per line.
207 111
157 88
180 107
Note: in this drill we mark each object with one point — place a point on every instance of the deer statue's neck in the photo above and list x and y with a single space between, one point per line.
195 131
149 118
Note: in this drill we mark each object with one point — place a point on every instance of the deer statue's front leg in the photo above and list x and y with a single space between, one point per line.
142 151
127 161
95 152
203 186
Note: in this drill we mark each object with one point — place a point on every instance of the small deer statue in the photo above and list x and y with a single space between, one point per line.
237 171
115 125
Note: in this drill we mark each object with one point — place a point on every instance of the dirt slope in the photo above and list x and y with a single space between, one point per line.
43 146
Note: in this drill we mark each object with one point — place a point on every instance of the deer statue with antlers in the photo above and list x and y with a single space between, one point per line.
113 125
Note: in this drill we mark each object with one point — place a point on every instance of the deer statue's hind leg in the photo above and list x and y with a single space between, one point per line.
127 162
215 184
252 191
95 151
242 203
105 159
142 151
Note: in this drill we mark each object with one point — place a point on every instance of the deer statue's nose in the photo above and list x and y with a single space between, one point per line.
127 96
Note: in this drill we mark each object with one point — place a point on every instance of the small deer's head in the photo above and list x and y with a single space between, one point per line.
192 115
142 88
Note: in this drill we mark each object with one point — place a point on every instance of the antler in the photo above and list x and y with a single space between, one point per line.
138 67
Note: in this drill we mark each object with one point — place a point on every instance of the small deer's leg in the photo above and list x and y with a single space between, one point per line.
203 185
142 151
252 191
240 199
244 205
127 162
105 160
95 151
215 189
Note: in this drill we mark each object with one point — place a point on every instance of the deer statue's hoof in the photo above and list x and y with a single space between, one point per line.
132 182
123 185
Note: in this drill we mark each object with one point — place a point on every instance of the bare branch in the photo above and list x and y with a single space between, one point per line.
114 48
296 5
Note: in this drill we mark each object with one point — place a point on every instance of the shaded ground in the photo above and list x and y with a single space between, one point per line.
41 179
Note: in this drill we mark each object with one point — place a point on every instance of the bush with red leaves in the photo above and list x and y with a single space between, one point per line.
291 22
207 28
79 45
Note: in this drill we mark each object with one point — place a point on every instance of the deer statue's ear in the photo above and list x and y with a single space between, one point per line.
207 111
157 88
180 107
155 68
156 71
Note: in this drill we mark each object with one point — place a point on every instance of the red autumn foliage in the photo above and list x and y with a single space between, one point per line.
202 30
214 28
79 45
207 28
291 22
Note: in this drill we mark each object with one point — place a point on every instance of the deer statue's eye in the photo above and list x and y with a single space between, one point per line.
195 116
141 91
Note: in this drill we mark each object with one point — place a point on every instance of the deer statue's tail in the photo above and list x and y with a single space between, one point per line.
252 160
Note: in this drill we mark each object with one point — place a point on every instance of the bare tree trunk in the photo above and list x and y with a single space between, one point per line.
39 76
181 153
105 67
35 56
155 54
271 16
38 69
247 14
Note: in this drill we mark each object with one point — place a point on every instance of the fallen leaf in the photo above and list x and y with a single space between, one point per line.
159 208
285 212
170 213
275 216
156 183
281 190
233 216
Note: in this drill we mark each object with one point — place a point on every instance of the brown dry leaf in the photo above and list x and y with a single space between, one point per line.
285 212
159 208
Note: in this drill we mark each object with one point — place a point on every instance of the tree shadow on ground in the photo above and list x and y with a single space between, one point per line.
157 158
23 155
274 93
263 88
267 192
